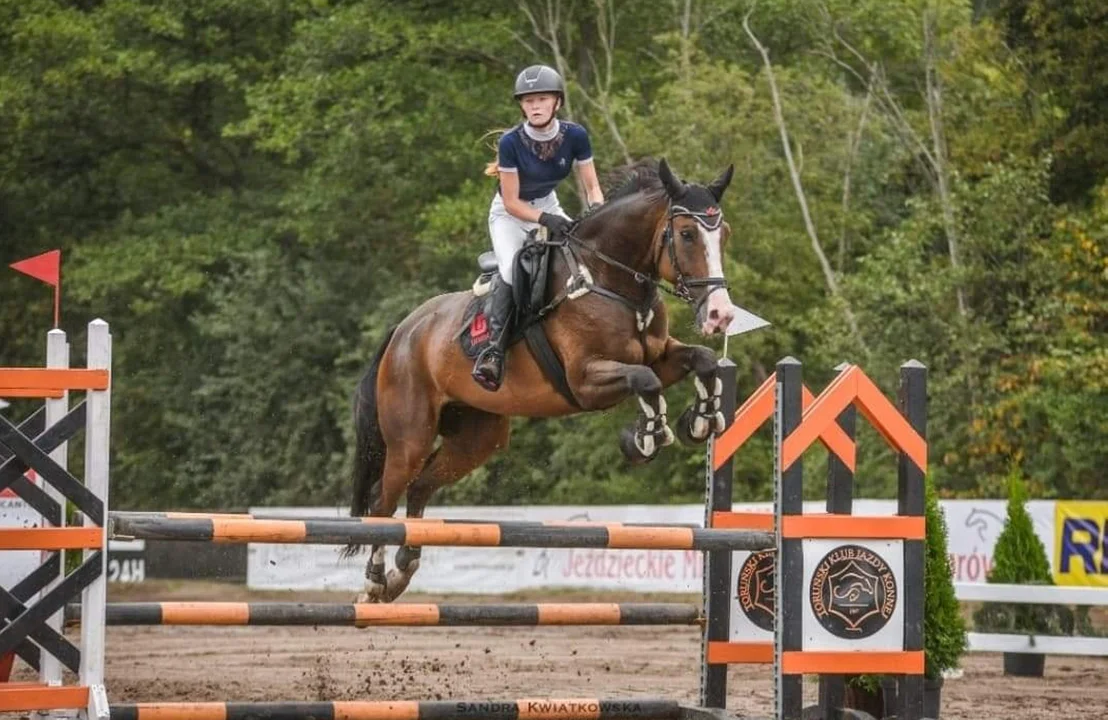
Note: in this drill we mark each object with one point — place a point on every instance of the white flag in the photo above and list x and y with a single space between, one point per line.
744 322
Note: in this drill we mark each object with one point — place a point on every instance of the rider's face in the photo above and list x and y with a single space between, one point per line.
539 108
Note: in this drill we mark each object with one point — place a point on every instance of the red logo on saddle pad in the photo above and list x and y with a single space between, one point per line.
712 211
479 329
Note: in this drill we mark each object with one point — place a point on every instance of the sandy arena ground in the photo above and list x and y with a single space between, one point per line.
335 663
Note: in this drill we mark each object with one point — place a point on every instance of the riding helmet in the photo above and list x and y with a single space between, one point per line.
539 79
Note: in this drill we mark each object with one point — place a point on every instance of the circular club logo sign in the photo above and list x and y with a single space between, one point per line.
756 591
853 592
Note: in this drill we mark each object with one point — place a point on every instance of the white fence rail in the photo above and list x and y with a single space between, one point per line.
1038 644
1035 594
1038 594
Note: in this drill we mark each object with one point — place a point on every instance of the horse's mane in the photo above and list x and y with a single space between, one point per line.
639 176
624 183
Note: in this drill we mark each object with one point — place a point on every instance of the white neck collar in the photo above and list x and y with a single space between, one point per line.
542 135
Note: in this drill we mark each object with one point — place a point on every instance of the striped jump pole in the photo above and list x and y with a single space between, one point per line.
420 533
131 515
404 614
537 709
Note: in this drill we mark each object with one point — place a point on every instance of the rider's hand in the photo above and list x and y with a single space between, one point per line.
555 223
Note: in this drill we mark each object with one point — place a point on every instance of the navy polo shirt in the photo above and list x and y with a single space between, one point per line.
539 177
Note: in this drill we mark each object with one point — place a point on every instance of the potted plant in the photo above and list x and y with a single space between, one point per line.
944 628
1019 558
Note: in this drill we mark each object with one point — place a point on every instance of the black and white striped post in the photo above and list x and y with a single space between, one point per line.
788 499
717 565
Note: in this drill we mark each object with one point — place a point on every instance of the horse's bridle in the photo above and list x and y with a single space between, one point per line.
710 219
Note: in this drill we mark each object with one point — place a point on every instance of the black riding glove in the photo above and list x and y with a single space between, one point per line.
555 223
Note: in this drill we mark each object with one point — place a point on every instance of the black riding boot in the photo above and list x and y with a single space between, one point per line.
488 370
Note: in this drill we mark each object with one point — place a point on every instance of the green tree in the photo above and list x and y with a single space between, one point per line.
1065 46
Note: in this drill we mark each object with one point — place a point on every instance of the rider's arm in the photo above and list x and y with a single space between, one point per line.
587 172
586 168
509 191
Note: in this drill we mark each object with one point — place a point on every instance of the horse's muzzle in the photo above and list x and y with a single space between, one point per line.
717 312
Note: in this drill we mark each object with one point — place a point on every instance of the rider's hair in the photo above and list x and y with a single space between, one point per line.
491 166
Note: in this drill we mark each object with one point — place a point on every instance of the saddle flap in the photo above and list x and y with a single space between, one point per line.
532 271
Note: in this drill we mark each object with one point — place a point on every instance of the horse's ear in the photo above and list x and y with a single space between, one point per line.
674 188
720 184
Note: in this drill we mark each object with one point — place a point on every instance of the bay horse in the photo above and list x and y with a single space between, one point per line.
610 335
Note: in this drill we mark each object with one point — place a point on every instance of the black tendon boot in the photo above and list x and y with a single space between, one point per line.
488 370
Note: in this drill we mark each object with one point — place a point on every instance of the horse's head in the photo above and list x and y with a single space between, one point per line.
693 242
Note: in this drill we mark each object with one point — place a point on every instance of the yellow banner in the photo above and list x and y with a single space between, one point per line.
1081 543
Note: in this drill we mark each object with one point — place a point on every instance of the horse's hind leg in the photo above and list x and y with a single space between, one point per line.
409 437
400 466
470 437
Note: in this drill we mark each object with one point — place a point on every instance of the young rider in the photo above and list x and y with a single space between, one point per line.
532 159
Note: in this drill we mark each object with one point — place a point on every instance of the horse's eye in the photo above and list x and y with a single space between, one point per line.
687 235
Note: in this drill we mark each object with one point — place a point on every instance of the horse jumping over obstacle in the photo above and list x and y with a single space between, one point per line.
610 337
868 572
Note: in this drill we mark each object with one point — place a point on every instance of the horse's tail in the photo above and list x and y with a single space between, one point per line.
369 450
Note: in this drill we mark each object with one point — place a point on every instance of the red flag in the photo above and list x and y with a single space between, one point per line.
46 267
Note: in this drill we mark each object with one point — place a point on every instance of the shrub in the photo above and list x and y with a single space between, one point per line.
1019 558
944 628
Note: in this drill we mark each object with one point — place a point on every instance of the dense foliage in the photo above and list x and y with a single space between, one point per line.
251 192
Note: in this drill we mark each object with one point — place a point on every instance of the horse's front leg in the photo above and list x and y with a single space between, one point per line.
704 416
603 383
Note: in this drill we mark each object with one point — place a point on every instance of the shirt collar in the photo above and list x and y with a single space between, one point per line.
542 136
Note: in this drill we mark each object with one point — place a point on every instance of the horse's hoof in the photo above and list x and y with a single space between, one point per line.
398 581
685 427
407 559
695 425
637 448
703 417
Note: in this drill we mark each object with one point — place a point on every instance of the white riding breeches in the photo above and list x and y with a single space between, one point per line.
509 232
